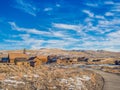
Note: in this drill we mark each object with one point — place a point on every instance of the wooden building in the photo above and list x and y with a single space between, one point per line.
52 58
65 61
4 58
82 59
38 60
60 61
21 61
16 56
41 58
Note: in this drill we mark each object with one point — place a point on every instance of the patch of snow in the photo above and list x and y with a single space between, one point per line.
13 77
75 83
25 75
13 81
63 80
36 76
12 85
86 78
54 87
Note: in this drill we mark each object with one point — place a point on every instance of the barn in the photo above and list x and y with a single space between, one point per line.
17 57
21 61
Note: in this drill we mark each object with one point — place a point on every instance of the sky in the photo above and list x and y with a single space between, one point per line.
64 24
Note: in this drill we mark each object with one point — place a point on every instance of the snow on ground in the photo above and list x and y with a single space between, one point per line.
32 75
76 82
11 82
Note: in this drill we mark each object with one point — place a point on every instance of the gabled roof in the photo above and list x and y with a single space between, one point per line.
42 58
17 55
32 58
3 55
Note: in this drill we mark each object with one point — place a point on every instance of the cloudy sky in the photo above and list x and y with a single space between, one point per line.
65 24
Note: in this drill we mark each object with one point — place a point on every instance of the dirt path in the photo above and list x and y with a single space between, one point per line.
112 81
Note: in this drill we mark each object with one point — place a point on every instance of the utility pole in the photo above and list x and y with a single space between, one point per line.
24 51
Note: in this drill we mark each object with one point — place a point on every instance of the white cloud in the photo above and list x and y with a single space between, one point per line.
100 17
115 34
109 14
109 2
112 22
70 27
92 5
111 42
65 39
48 9
66 26
90 14
58 5
26 7
88 19
49 33
62 34
36 43
26 41
28 30
59 34
63 44
116 7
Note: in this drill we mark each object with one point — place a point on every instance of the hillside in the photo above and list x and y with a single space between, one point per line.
70 53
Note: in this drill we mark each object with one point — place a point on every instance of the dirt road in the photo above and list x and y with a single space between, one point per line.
112 81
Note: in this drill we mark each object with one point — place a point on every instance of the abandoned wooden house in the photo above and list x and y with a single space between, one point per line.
21 61
4 58
82 59
96 60
38 60
42 58
75 60
60 61
117 62
52 58
65 61
17 57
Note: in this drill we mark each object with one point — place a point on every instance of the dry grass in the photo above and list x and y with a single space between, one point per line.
48 77
115 69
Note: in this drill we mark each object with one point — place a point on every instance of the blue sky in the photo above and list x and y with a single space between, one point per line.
65 24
